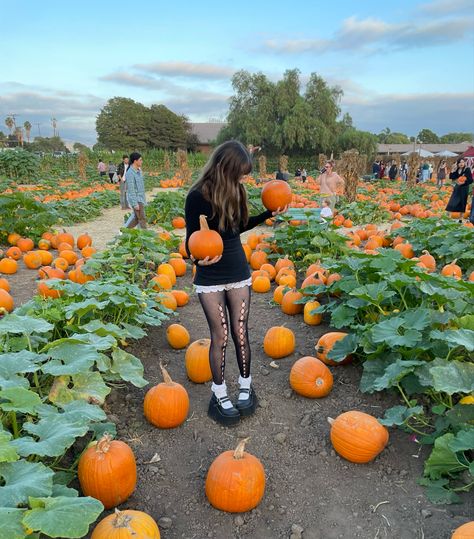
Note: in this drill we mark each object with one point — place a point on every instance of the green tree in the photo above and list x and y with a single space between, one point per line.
27 125
456 138
47 144
362 141
397 138
79 147
166 129
123 124
426 136
10 123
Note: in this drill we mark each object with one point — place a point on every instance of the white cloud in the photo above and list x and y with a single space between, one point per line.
187 70
446 7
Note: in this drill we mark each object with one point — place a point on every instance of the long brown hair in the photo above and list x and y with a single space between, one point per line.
220 184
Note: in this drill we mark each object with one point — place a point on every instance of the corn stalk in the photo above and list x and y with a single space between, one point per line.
322 160
82 162
166 162
413 162
283 163
183 168
351 166
262 166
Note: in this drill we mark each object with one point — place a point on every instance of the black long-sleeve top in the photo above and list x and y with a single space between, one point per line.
458 200
466 171
232 267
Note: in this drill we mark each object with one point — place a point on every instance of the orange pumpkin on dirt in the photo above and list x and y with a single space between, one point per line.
4 284
177 336
13 237
178 222
32 260
46 292
65 237
168 270
288 305
182 297
25 244
88 251
311 378
61 263
84 240
6 302
161 282
14 252
44 244
197 363
257 259
325 345
179 266
167 300
8 266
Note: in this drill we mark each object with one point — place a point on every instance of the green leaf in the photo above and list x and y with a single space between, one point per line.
64 517
458 337
99 429
90 387
460 414
453 377
63 490
388 332
343 316
466 322
344 347
25 325
437 492
416 319
129 367
55 434
464 440
10 523
397 415
15 363
7 451
381 374
442 460
23 479
374 293
20 400
70 357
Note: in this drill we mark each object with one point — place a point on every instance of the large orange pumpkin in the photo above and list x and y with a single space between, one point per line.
181 296
179 266
177 336
235 481
127 524
357 436
311 378
32 260
25 244
46 257
288 305
8 266
197 363
283 263
65 237
428 261
14 252
178 222
46 292
312 319
325 344
13 237
466 531
205 242
258 259
279 342
4 284
108 472
84 240
261 284
276 194
6 302
166 405
452 270
168 270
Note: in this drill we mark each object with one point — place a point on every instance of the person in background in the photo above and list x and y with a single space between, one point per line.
223 283
298 173
121 170
425 172
329 182
430 168
393 171
462 176
136 192
376 168
304 175
101 168
382 170
441 174
112 170
404 171
326 212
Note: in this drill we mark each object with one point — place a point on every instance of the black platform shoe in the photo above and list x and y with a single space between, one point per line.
247 406
227 417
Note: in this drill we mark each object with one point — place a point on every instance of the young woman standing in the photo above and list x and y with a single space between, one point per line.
462 176
223 283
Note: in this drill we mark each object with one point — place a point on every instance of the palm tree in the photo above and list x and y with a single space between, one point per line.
19 135
27 127
10 123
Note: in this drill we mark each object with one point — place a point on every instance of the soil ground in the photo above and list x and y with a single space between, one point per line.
309 488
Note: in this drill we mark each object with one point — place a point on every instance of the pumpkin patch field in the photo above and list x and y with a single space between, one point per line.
362 338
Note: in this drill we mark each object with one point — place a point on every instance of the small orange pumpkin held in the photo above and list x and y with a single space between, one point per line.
466 531
311 378
276 194
127 524
166 405
197 363
205 242
107 471
279 342
177 336
357 436
325 345
235 482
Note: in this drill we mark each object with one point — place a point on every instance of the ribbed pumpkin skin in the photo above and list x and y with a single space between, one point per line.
279 342
358 437
203 243
177 336
276 194
312 319
325 344
109 476
166 405
234 485
466 531
311 378
288 305
196 360
139 525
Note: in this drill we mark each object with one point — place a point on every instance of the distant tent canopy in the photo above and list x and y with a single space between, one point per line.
446 153
421 153
469 152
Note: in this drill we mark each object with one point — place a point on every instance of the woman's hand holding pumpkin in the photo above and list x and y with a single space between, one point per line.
206 261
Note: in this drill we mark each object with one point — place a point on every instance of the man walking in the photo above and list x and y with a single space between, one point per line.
136 192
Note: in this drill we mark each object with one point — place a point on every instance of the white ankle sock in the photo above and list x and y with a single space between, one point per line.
244 383
220 391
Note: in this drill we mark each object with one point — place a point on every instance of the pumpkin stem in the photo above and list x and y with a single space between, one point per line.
103 445
239 450
166 377
121 520
203 222
330 420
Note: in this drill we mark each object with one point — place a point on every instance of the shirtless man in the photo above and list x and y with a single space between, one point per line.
329 182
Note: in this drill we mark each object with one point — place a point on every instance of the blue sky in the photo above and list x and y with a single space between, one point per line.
403 64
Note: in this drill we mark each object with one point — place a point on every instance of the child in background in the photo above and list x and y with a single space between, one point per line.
326 211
